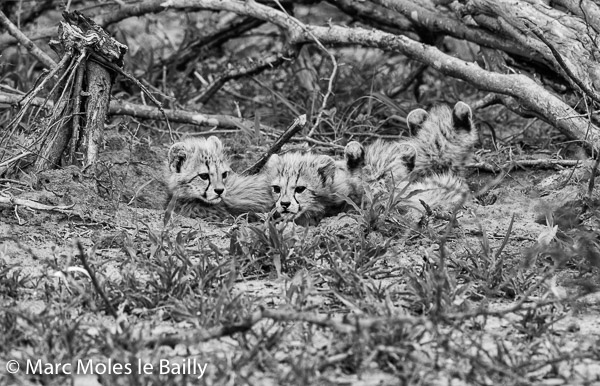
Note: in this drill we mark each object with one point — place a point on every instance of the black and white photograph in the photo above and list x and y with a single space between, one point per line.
313 192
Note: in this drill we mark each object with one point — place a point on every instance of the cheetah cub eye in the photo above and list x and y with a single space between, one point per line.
204 176
224 175
276 189
300 189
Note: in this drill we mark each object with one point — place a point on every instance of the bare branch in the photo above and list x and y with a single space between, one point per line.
527 91
26 42
33 204
526 163
181 116
148 112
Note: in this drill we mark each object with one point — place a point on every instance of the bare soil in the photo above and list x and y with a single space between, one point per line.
119 206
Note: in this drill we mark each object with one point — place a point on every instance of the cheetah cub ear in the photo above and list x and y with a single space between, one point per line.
415 120
177 155
325 166
272 163
215 142
462 117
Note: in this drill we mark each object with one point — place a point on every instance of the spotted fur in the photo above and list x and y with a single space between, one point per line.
200 182
426 167
307 187
445 140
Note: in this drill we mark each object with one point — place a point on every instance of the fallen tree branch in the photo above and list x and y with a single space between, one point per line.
34 205
532 95
153 113
526 163
181 116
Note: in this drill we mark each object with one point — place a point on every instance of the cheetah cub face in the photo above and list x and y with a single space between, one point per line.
302 184
198 169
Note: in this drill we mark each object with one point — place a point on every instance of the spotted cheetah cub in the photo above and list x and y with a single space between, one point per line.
200 182
445 139
426 167
307 187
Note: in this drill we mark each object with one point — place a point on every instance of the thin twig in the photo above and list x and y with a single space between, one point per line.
27 99
95 283
11 181
269 62
14 159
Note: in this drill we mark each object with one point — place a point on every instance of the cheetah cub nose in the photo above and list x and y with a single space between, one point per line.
219 191
286 204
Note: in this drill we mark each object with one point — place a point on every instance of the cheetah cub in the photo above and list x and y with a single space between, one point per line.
200 182
307 187
426 167
445 139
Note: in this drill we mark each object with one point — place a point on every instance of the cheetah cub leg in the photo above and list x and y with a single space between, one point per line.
354 154
352 170
415 120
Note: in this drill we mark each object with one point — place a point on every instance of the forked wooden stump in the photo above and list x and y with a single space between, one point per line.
85 76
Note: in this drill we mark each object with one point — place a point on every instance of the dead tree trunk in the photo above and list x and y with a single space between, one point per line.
83 90
99 85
